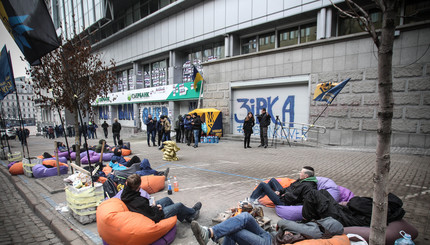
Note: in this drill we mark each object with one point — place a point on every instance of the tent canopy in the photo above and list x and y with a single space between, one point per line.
213 119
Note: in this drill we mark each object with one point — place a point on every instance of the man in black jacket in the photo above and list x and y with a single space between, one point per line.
116 129
264 120
196 124
105 127
163 209
150 130
293 194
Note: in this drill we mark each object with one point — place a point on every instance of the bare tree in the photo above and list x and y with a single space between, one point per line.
71 77
383 40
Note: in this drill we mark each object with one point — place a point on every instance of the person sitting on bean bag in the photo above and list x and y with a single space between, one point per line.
98 148
117 156
121 145
244 229
293 194
163 208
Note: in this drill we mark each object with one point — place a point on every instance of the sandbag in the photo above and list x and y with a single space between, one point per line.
16 169
117 225
152 184
391 234
40 171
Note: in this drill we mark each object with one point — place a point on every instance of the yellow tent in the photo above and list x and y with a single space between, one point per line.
213 119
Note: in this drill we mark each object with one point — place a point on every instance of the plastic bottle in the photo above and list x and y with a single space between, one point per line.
216 139
175 184
210 139
169 187
404 240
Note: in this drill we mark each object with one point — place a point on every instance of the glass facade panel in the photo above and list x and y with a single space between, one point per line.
266 41
416 11
219 51
249 45
308 33
288 37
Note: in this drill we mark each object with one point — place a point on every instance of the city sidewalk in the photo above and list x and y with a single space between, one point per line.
221 175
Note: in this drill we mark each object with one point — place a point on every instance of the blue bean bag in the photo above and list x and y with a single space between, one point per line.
295 212
40 171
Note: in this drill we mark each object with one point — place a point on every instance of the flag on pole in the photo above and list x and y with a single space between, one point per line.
30 25
328 91
7 83
197 78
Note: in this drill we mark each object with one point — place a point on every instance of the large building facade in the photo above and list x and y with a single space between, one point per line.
256 54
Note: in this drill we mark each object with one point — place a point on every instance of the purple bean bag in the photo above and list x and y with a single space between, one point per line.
85 153
345 194
73 155
107 156
60 159
391 234
63 154
94 158
10 164
295 212
40 171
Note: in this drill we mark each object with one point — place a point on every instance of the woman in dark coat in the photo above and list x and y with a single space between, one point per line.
247 129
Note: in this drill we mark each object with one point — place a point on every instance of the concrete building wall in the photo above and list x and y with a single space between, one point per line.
352 118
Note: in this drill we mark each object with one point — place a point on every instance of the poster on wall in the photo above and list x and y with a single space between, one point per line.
155 110
139 79
147 79
289 103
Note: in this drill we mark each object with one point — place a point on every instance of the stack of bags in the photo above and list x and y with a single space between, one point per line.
170 149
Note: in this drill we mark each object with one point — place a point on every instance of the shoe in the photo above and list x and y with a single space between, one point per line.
200 232
153 144
249 146
195 216
166 173
245 147
195 146
149 145
260 145
197 206
265 146
188 144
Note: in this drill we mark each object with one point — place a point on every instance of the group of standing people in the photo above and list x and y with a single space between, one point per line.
248 124
187 129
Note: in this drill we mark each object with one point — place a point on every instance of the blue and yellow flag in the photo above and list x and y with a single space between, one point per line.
30 25
328 91
197 78
7 83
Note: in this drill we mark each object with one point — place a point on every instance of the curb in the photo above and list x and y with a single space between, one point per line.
66 232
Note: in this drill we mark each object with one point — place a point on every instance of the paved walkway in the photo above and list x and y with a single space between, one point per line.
220 175
18 222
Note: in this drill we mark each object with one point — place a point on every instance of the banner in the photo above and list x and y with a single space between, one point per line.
30 25
7 83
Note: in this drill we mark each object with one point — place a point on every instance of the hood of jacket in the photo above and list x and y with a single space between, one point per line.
310 179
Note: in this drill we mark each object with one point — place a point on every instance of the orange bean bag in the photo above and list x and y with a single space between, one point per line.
124 152
127 159
107 170
117 225
152 183
16 169
53 163
285 182
335 240
40 157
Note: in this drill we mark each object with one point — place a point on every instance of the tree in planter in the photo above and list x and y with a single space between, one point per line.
71 78
383 40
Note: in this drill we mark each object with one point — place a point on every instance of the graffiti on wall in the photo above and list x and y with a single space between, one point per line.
155 111
104 112
282 110
125 112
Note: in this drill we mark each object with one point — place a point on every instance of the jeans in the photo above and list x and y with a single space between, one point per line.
241 229
166 136
263 136
151 136
115 138
196 136
171 209
269 190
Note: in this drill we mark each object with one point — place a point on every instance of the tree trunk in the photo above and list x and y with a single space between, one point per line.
385 115
77 137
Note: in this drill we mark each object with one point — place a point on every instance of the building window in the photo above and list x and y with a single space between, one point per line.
155 74
288 37
308 33
266 41
249 45
416 11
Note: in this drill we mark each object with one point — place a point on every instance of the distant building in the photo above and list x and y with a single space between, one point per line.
9 105
255 54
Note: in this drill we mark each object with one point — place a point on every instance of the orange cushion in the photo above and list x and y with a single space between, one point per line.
125 152
336 240
117 225
40 157
285 182
102 180
16 169
152 183
127 159
107 170
53 163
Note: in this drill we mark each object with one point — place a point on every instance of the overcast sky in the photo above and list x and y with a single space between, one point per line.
15 53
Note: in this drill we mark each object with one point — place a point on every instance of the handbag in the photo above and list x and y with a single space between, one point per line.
290 237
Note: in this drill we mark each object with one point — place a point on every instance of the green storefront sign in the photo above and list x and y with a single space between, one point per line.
183 91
